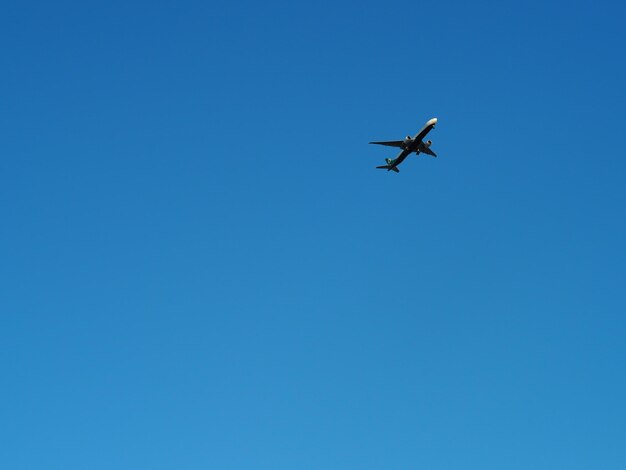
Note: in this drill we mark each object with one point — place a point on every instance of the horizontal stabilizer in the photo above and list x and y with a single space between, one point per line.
389 167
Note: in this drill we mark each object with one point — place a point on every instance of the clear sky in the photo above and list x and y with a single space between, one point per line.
200 266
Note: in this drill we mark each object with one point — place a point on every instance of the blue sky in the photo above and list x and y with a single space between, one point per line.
201 267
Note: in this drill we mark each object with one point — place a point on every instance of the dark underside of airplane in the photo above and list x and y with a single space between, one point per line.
408 146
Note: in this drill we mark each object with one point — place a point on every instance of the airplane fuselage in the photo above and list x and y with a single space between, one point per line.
403 154
409 145
415 144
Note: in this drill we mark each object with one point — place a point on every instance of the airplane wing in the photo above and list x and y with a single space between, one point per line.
391 143
428 151
427 128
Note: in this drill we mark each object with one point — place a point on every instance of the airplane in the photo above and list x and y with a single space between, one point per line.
408 146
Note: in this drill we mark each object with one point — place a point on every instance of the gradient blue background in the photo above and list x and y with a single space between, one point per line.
201 268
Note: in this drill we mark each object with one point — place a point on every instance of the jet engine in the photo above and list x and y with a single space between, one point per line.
408 138
428 143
